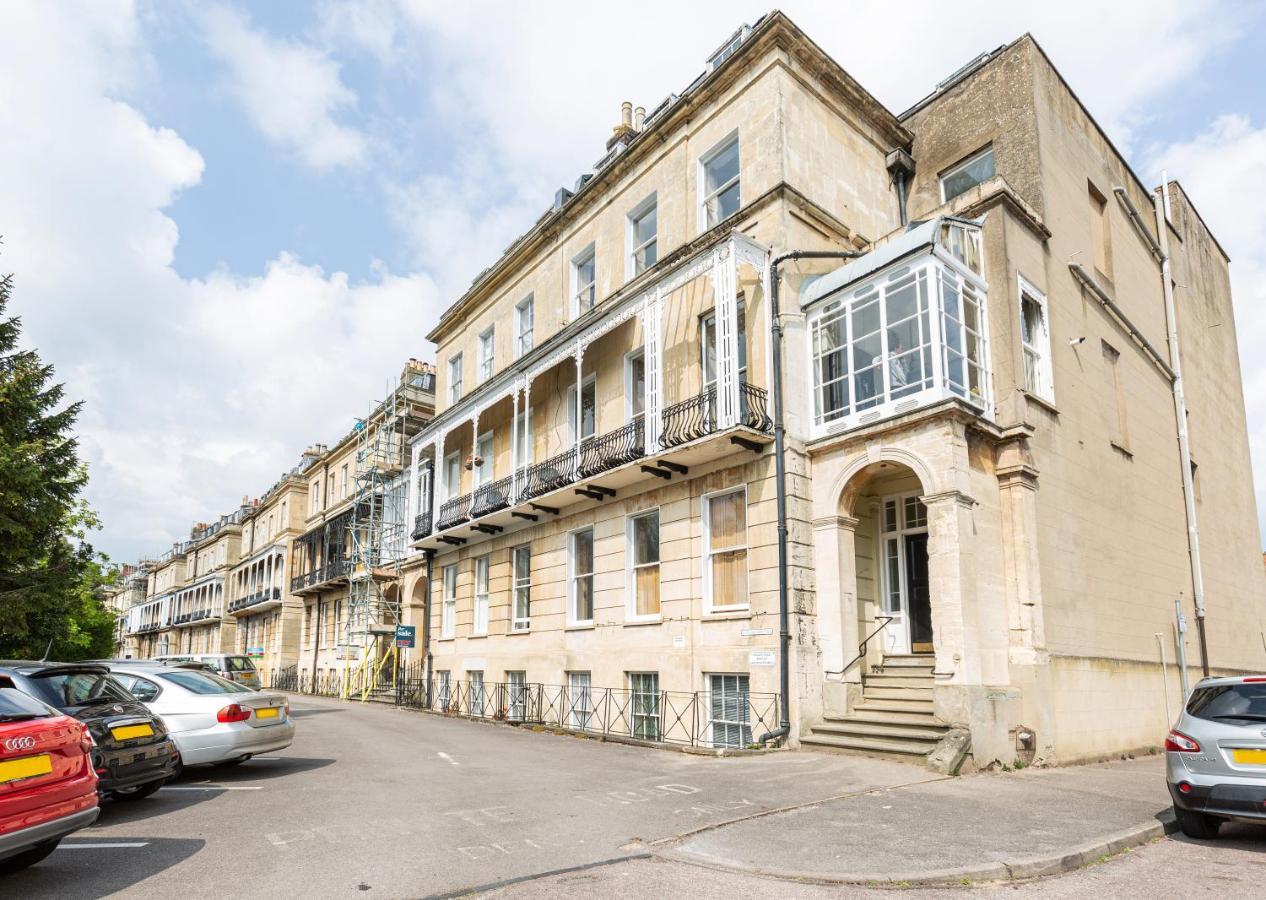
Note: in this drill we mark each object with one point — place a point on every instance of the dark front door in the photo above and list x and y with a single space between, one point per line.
918 594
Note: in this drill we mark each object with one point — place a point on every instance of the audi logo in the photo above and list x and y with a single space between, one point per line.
19 743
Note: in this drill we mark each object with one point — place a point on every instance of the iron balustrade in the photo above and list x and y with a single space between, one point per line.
453 512
422 526
262 596
613 449
550 475
690 419
754 407
489 498
337 568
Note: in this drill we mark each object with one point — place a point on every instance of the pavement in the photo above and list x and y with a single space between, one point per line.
395 803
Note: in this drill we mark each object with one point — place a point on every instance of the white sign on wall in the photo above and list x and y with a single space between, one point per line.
760 658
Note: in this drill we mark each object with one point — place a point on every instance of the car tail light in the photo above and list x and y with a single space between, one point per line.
1184 787
1178 742
86 742
1255 679
286 707
234 712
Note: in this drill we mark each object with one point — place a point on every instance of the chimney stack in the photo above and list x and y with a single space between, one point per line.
639 118
624 130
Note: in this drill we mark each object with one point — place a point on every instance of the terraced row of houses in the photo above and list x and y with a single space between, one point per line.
805 421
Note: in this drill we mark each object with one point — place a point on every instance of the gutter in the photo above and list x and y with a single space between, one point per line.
780 481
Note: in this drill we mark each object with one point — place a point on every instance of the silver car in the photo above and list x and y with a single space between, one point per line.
1215 756
233 666
211 719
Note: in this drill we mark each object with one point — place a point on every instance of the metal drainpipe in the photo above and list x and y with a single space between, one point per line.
901 197
426 627
1184 448
784 632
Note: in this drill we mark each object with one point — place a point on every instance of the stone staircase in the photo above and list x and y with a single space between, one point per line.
894 718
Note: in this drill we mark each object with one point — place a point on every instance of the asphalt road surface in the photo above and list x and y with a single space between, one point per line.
373 801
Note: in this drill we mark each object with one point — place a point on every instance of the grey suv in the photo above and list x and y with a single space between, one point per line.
1215 756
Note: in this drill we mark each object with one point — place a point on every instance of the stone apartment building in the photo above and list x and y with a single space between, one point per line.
787 376
126 592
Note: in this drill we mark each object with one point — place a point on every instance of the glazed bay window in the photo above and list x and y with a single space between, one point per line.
1035 341
725 551
580 566
487 342
521 558
455 379
584 276
448 606
643 237
911 335
524 323
643 537
481 595
719 183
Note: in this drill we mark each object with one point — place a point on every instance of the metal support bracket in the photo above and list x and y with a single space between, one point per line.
523 515
552 510
672 466
487 529
658 473
745 443
454 541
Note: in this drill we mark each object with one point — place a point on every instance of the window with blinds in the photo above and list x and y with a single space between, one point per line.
725 550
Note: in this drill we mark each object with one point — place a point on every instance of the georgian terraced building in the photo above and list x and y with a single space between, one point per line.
787 375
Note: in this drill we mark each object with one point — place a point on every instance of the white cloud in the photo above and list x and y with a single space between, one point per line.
198 391
1223 169
290 90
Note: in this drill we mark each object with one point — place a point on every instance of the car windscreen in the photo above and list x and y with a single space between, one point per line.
16 706
239 664
204 683
1228 702
64 689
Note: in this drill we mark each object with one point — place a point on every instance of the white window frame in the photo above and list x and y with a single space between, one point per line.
636 214
485 474
483 575
453 487
631 679
630 611
571 408
1045 388
743 726
574 690
525 308
572 594
516 695
629 359
487 353
454 378
590 253
525 440
959 166
709 607
520 583
444 692
448 601
701 176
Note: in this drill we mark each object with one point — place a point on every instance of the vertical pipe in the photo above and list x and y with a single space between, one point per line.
426 626
1184 448
901 197
1160 643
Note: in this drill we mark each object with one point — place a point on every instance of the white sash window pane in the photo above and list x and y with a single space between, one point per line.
644 705
481 595
579 700
522 588
728 708
582 577
726 525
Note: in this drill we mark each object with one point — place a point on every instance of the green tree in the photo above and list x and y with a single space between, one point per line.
50 576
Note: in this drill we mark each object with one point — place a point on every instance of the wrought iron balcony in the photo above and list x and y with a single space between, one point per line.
421 526
550 475
253 599
453 512
613 449
489 498
335 568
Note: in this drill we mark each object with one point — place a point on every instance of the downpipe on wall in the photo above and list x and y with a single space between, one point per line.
780 482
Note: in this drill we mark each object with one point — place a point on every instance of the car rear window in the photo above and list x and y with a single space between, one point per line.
239 664
79 689
204 683
16 705
1229 701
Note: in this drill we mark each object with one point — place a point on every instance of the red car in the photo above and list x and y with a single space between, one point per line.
47 785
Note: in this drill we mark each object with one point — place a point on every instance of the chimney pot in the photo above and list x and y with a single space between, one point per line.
626 114
639 118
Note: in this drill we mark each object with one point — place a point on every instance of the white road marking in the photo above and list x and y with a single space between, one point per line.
266 757
442 755
212 787
103 846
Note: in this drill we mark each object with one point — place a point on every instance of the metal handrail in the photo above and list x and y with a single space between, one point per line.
613 449
861 648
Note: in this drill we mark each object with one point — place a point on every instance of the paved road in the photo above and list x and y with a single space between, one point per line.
372 801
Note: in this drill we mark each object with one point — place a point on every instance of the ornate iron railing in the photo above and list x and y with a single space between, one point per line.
422 525
454 511
550 475
488 498
754 407
336 568
690 419
613 449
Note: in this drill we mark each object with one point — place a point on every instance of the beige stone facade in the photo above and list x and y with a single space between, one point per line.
991 463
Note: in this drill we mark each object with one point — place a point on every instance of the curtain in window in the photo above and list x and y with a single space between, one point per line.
727 528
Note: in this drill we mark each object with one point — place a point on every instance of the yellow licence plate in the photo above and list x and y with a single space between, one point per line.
268 712
127 732
1251 757
26 767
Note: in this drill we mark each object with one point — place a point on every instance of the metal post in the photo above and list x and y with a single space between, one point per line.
1180 630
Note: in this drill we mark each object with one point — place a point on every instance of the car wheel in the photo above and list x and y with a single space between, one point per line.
1197 825
28 857
140 792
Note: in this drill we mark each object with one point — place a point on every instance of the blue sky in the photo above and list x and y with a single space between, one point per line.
183 182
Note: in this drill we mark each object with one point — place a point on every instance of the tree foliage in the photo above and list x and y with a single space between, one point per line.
50 576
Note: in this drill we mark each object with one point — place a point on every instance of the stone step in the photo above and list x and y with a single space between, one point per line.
898 679
872 704
905 749
852 727
910 661
921 718
897 693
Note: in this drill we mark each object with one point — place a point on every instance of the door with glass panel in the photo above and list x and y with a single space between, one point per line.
906 594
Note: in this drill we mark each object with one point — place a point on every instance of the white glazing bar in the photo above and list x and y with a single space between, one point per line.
652 337
724 282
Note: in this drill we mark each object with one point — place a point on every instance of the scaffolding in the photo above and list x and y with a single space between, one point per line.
379 533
